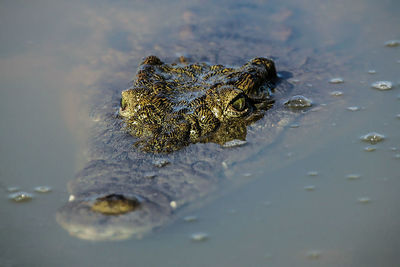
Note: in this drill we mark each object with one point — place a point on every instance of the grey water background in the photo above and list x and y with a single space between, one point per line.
52 52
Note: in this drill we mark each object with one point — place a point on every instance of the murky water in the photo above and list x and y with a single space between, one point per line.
319 197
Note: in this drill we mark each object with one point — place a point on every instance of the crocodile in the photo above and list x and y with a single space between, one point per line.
163 144
151 156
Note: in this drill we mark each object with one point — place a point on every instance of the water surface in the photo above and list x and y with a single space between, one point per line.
299 206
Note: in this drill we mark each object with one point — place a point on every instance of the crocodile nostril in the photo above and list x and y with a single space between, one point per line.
115 204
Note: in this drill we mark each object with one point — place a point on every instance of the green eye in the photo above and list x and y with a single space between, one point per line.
123 103
239 104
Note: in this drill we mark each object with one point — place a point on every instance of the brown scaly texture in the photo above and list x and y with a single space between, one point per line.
173 105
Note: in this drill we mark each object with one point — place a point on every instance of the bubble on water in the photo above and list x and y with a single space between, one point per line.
353 108
96 118
313 254
173 204
336 80
353 176
309 187
283 122
398 116
12 189
373 138
397 156
160 162
336 93
247 174
234 143
312 173
190 218
150 175
42 189
392 43
370 148
364 200
200 236
382 85
298 102
225 165
294 80
371 71
21 196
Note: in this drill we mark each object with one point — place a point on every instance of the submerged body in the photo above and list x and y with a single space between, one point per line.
179 116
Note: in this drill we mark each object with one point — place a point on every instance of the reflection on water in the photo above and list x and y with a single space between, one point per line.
342 214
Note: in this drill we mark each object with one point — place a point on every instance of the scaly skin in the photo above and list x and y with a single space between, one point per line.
173 105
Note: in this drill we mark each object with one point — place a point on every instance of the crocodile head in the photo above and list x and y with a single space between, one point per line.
171 106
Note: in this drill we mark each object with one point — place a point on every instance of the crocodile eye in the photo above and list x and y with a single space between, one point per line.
239 104
123 104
